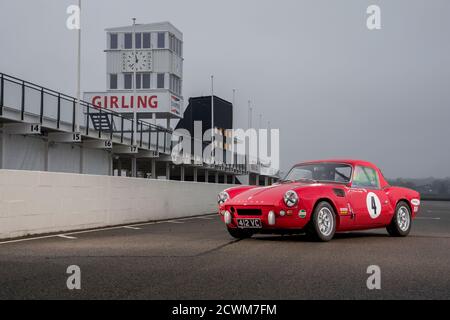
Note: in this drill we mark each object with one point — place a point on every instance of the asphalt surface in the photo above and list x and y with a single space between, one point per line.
197 259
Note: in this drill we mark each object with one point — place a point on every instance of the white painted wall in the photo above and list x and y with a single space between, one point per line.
30 153
43 202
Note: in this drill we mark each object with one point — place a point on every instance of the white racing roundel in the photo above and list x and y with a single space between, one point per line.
373 205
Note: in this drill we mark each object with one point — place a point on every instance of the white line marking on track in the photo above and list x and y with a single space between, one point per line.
195 218
27 239
132 228
143 224
426 218
187 219
66 237
70 235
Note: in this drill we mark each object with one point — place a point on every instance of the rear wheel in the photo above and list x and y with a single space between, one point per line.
322 226
401 222
240 233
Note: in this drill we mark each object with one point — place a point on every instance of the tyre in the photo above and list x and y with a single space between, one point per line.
240 234
322 226
400 225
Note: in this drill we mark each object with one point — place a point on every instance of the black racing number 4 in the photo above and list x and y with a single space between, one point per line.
374 205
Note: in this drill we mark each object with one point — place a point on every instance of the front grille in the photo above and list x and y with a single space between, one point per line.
249 212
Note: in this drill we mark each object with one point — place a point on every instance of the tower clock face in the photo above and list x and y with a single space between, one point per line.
141 62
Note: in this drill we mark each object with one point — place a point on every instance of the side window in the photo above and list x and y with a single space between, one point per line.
343 174
365 177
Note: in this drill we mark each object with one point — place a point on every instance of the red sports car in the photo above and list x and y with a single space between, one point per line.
321 198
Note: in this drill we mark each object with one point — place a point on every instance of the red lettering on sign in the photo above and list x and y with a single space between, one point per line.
96 102
142 102
125 102
153 102
124 106
114 102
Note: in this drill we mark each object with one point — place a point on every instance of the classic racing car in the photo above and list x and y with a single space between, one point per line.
321 198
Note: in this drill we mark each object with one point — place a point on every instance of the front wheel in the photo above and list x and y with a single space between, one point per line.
401 222
322 226
240 234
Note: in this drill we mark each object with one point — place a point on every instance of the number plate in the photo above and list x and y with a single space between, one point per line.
249 223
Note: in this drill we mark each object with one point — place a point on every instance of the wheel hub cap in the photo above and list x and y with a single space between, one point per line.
403 218
325 221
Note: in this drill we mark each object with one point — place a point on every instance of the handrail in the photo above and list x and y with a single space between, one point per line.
141 126
60 95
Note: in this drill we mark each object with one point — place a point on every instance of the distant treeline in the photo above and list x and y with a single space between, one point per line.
429 188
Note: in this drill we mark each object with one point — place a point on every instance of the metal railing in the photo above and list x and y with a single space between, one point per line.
55 110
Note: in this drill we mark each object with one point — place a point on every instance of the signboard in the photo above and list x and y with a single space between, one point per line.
175 105
143 102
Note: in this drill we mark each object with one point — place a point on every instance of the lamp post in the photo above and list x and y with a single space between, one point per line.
135 85
76 120
234 97
250 114
234 108
212 121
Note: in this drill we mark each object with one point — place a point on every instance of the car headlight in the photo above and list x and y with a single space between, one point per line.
291 198
223 197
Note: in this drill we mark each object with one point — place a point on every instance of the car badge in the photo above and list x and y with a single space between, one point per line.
302 214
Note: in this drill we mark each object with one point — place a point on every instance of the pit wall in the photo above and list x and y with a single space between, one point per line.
33 203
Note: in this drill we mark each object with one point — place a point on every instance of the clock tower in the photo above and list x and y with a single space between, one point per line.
144 72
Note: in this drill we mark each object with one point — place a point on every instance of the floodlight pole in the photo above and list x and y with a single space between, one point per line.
250 114
76 120
212 121
135 118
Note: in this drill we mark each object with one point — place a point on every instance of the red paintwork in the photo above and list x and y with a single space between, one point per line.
310 194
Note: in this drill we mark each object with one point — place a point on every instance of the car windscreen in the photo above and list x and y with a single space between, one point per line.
322 172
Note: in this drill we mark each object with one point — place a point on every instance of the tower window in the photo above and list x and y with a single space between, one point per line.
146 81
114 44
161 40
147 40
138 40
138 81
128 81
175 84
128 41
113 81
161 80
176 45
142 80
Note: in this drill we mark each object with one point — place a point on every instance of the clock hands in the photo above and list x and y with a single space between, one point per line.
137 61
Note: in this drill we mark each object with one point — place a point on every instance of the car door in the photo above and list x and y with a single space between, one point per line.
370 204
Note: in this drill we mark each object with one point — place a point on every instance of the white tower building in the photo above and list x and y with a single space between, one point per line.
144 72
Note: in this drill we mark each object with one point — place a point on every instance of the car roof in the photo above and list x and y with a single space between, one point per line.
351 162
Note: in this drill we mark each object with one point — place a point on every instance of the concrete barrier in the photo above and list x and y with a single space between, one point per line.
42 202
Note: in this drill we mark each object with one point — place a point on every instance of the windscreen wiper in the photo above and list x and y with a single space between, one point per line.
309 180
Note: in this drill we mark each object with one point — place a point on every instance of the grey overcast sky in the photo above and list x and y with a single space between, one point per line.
334 88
